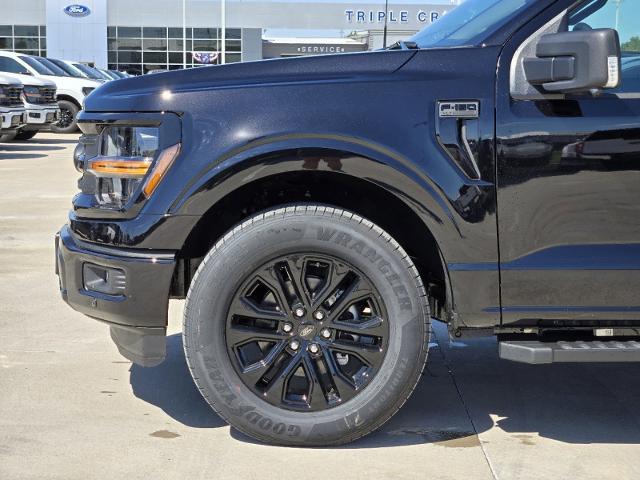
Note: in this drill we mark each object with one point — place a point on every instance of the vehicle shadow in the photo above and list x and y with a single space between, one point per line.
26 150
50 141
464 391
170 387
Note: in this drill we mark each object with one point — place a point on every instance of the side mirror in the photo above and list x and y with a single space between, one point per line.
26 72
575 61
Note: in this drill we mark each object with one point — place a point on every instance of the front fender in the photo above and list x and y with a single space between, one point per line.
73 94
340 155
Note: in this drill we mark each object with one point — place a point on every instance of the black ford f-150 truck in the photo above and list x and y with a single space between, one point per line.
316 213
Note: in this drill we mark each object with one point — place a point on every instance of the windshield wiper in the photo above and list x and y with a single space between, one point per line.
402 45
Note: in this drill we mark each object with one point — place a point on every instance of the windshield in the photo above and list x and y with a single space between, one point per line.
70 70
469 23
90 72
110 74
52 66
36 65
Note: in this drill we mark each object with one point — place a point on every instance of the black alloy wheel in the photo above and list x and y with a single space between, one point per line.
307 332
67 121
306 325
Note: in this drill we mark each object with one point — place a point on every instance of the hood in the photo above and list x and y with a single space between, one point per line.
8 80
29 80
72 82
346 66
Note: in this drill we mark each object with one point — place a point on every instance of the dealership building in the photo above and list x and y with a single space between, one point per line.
144 35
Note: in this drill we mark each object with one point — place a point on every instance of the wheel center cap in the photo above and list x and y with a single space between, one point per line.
306 330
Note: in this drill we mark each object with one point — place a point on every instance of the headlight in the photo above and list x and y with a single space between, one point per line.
87 90
129 158
31 94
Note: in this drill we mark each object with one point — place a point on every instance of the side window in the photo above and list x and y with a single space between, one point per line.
624 16
10 65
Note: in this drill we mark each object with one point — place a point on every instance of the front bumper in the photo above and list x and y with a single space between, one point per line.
12 119
138 316
39 117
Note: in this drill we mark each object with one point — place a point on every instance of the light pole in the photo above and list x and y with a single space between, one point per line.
223 33
384 31
618 2
184 34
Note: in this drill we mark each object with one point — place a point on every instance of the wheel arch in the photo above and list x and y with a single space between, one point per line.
388 191
68 98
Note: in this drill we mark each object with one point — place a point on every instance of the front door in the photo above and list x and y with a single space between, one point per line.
569 182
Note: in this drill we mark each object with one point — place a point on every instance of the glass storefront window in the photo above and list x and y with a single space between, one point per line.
233 46
205 33
28 39
129 44
25 30
154 44
176 57
141 49
205 45
26 43
177 32
129 57
130 32
154 32
154 57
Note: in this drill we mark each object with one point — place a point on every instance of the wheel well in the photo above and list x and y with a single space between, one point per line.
350 193
69 99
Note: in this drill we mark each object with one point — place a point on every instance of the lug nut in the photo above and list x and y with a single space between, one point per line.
287 327
299 312
295 345
314 348
325 333
318 315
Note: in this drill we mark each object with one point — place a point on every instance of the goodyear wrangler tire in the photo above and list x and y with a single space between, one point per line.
306 325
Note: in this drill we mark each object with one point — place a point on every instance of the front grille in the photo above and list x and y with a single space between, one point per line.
45 96
12 97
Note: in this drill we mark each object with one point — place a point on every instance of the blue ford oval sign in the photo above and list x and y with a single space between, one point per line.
77 11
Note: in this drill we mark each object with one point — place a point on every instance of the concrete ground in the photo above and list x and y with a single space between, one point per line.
72 408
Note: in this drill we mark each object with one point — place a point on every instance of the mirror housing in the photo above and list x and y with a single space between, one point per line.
576 61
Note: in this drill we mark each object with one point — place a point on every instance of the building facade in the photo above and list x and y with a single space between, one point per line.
144 35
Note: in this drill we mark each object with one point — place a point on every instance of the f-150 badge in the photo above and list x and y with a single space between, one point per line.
459 109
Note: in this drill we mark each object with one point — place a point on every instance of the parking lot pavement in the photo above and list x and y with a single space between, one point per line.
72 408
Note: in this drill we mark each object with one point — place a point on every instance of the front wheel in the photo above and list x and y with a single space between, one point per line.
306 325
67 122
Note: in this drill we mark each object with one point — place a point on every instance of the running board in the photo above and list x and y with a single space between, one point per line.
577 351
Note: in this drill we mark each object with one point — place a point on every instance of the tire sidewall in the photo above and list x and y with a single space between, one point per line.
221 274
